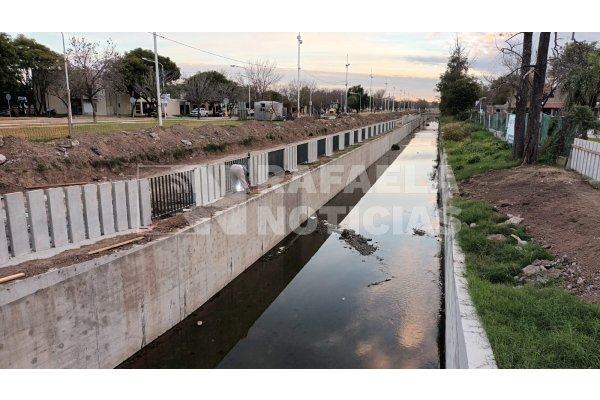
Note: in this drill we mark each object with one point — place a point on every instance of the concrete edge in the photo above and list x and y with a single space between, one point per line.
467 344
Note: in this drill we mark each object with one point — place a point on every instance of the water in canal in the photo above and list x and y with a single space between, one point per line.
320 303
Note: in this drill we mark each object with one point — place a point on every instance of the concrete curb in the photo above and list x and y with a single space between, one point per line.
466 342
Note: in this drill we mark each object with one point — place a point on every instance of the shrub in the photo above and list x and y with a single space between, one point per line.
248 141
455 131
215 147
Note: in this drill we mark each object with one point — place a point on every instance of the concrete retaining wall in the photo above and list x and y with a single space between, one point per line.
466 342
44 222
98 313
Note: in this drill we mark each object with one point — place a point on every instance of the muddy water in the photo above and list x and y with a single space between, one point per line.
320 303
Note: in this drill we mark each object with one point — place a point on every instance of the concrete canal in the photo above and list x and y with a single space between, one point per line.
333 298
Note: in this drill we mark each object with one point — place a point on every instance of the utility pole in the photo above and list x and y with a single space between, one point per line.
347 65
386 94
158 105
394 99
371 93
299 43
70 112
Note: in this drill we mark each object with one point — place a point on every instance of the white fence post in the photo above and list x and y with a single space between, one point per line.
17 224
75 213
38 220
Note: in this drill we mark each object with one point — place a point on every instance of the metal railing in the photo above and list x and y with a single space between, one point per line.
171 193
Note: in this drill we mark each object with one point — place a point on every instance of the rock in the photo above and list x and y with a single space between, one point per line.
551 273
2 159
419 232
64 143
186 142
154 135
547 246
1 141
532 270
513 220
505 203
520 242
198 323
497 237
74 142
95 151
580 280
473 225
63 149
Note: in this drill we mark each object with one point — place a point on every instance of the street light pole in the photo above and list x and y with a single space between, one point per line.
371 93
347 65
160 122
70 112
299 43
244 76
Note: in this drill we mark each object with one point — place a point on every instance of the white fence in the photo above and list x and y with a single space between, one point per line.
60 218
585 158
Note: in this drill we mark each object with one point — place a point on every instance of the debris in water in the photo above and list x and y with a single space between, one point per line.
380 282
343 299
360 243
199 323
417 231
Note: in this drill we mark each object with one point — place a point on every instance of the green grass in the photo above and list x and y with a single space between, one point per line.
530 326
478 153
215 147
42 133
594 139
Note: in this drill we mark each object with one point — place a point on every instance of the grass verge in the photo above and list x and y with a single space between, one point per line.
481 151
529 326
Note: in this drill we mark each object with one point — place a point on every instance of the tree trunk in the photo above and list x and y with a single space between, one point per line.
522 92
94 111
536 100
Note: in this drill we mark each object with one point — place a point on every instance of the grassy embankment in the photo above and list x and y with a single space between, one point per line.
532 325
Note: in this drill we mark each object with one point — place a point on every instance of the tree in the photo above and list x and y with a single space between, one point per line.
93 71
355 101
458 90
139 76
210 86
537 100
578 69
9 76
262 74
521 97
36 64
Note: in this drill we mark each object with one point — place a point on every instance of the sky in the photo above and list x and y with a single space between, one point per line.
410 63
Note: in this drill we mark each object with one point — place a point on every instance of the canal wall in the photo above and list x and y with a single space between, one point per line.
98 313
466 343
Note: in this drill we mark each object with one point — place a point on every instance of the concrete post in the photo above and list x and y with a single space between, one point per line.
38 220
133 204
196 187
203 170
17 224
145 202
58 216
4 255
211 183
75 213
223 179
290 158
329 146
341 141
312 151
90 211
351 138
107 219
120 205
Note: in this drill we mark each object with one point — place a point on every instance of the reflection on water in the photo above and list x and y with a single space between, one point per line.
320 304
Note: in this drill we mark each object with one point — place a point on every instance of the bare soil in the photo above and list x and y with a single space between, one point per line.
561 210
114 156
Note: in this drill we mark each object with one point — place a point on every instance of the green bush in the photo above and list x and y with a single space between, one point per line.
248 141
215 147
455 131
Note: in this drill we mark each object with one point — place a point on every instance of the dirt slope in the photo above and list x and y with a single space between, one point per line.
561 209
97 157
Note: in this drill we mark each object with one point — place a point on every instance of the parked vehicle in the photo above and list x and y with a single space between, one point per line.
5 112
219 113
250 112
202 111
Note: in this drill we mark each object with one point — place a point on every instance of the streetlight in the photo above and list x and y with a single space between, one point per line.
162 71
299 43
68 88
237 66
347 65
160 122
359 100
371 93
480 110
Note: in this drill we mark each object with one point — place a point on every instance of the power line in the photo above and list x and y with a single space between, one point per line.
203 51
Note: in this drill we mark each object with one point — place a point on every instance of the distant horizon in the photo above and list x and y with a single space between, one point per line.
410 63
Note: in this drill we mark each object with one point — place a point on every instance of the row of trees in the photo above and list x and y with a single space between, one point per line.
572 71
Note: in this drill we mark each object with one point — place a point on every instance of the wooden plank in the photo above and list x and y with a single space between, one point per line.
115 245
12 277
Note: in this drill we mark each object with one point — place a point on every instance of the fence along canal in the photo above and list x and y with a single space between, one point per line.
314 302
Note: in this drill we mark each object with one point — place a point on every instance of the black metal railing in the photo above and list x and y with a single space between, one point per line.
171 193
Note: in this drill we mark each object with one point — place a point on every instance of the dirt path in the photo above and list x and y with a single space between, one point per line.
561 210
115 156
